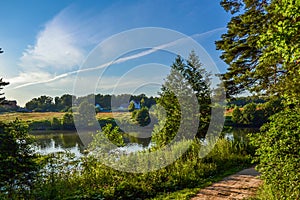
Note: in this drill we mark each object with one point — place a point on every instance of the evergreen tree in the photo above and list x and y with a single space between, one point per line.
2 84
240 49
186 80
261 47
18 165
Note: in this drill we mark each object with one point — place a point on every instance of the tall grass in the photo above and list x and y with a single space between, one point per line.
66 177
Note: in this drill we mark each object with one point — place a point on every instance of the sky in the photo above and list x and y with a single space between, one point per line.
110 47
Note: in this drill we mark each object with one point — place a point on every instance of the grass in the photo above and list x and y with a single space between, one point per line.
188 193
40 116
34 116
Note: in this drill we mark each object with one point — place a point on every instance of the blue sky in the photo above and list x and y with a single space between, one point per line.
47 42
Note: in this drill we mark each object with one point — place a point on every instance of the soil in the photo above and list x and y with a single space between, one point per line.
241 185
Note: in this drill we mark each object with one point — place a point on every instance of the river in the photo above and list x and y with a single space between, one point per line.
57 141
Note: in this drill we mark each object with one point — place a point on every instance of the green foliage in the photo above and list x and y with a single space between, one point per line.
64 179
40 125
256 114
240 49
86 116
68 122
249 113
278 154
56 124
18 165
142 117
237 116
187 79
102 140
280 44
261 47
2 84
40 104
131 107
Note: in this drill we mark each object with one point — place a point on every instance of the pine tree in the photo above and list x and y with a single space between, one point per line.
261 47
2 84
185 96
240 49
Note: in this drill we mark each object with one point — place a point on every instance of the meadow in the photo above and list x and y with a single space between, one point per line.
41 116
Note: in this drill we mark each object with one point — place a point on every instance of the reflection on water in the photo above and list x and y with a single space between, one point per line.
238 134
58 141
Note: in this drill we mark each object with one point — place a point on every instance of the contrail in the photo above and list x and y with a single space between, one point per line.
121 60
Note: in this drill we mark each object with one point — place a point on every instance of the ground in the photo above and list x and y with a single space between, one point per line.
241 185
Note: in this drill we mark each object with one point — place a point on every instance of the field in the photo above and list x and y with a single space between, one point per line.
39 116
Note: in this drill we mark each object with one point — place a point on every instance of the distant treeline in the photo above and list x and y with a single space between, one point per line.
102 102
65 123
242 101
254 114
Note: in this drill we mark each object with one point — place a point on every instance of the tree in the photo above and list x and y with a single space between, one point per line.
131 107
2 84
86 114
109 133
142 117
40 104
237 116
18 164
249 112
281 45
261 47
262 50
68 121
56 124
186 80
240 49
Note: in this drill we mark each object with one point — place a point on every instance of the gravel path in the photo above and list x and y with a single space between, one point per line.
238 186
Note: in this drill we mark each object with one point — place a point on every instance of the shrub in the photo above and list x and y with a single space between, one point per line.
68 122
56 124
131 107
40 125
237 116
142 117
278 154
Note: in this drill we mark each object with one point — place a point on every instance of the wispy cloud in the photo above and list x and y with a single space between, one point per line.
121 60
55 47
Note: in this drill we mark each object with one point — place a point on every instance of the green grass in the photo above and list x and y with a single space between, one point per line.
188 193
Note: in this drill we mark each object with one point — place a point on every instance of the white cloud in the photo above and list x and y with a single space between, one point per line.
56 47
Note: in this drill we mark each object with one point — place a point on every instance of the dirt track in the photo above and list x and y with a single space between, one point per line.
238 186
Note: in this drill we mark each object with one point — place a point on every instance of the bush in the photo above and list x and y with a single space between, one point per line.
68 122
142 117
95 180
278 154
237 116
56 124
40 125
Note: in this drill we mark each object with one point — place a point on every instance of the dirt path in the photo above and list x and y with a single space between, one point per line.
238 186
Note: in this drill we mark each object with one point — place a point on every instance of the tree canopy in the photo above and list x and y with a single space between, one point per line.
186 80
261 47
